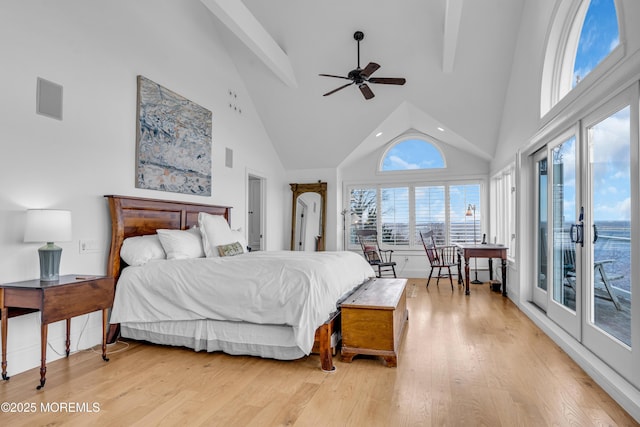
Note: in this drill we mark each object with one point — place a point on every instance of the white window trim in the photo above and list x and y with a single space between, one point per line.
557 75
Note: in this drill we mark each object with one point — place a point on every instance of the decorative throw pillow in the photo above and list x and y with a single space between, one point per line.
139 250
215 231
230 249
238 236
181 244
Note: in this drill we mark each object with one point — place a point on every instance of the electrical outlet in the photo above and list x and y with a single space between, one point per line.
89 246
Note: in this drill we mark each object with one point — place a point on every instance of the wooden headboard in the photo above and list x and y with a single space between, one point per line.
135 216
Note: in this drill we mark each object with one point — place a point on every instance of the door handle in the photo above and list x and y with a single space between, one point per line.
576 233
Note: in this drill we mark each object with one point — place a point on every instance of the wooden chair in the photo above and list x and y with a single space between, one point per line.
378 258
439 257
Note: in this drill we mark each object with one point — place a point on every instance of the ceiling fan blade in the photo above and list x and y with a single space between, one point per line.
335 90
366 91
369 69
387 80
331 75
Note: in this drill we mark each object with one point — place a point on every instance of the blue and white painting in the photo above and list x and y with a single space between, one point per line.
173 142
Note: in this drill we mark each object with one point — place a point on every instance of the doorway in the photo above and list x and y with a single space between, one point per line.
585 184
255 212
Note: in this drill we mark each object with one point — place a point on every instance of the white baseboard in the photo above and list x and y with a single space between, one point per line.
616 386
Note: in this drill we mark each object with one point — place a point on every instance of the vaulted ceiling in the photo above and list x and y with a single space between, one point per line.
456 56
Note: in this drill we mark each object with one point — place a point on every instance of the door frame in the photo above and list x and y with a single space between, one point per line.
256 176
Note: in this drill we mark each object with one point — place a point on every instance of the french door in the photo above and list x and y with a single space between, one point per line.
608 233
586 216
557 215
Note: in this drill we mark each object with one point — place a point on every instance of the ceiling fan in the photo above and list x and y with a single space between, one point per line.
361 76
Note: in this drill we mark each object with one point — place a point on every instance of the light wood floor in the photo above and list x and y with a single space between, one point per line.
465 361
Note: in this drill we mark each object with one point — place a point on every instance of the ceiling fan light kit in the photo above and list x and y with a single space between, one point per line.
361 77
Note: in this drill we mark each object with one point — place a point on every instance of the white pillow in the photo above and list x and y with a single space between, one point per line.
215 231
181 244
139 250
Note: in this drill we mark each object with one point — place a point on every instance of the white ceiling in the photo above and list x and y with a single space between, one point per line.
457 74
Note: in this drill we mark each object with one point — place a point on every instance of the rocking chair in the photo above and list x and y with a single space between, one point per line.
376 257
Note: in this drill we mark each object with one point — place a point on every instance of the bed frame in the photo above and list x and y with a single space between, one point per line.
135 216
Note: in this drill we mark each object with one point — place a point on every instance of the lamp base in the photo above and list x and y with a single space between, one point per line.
477 282
50 255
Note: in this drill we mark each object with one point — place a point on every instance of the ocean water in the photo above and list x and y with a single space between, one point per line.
614 243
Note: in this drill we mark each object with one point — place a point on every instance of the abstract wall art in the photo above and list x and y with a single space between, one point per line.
173 151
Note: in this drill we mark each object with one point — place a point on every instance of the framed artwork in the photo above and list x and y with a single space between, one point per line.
173 142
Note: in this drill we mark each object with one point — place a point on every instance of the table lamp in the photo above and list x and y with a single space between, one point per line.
48 225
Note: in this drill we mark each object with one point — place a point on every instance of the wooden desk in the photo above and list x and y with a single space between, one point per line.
478 250
71 296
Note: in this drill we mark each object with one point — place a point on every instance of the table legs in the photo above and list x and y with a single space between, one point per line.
504 277
68 342
466 276
44 329
5 314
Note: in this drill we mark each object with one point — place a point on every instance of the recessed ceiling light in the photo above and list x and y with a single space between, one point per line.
440 129
378 134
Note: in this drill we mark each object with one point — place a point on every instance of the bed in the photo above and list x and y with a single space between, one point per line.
280 305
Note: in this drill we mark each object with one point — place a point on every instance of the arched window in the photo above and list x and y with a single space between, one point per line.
411 154
584 35
598 37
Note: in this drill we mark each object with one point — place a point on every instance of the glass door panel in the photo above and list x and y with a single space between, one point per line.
542 224
541 233
564 304
563 199
610 284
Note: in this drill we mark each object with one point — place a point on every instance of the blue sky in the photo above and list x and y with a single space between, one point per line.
599 36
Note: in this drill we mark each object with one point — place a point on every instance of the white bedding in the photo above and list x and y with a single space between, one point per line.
299 289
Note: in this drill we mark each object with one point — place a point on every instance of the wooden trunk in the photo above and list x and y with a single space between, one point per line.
373 320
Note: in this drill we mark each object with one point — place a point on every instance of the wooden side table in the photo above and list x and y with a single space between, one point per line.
72 295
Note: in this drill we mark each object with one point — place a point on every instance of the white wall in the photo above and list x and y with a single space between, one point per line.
96 50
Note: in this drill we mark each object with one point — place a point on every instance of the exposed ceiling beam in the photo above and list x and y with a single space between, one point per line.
235 15
452 17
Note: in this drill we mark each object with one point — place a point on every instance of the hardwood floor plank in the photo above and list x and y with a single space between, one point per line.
464 360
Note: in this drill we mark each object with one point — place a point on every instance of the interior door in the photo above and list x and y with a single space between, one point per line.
254 220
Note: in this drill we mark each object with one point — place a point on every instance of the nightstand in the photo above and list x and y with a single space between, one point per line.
72 295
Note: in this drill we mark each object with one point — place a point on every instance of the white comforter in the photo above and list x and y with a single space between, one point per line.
299 289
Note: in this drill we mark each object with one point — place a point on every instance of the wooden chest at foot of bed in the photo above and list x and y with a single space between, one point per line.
373 320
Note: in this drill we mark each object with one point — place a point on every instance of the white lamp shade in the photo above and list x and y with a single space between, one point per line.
48 225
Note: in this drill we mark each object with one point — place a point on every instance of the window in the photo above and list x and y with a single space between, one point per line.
464 205
583 37
400 213
431 212
598 37
412 154
503 223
